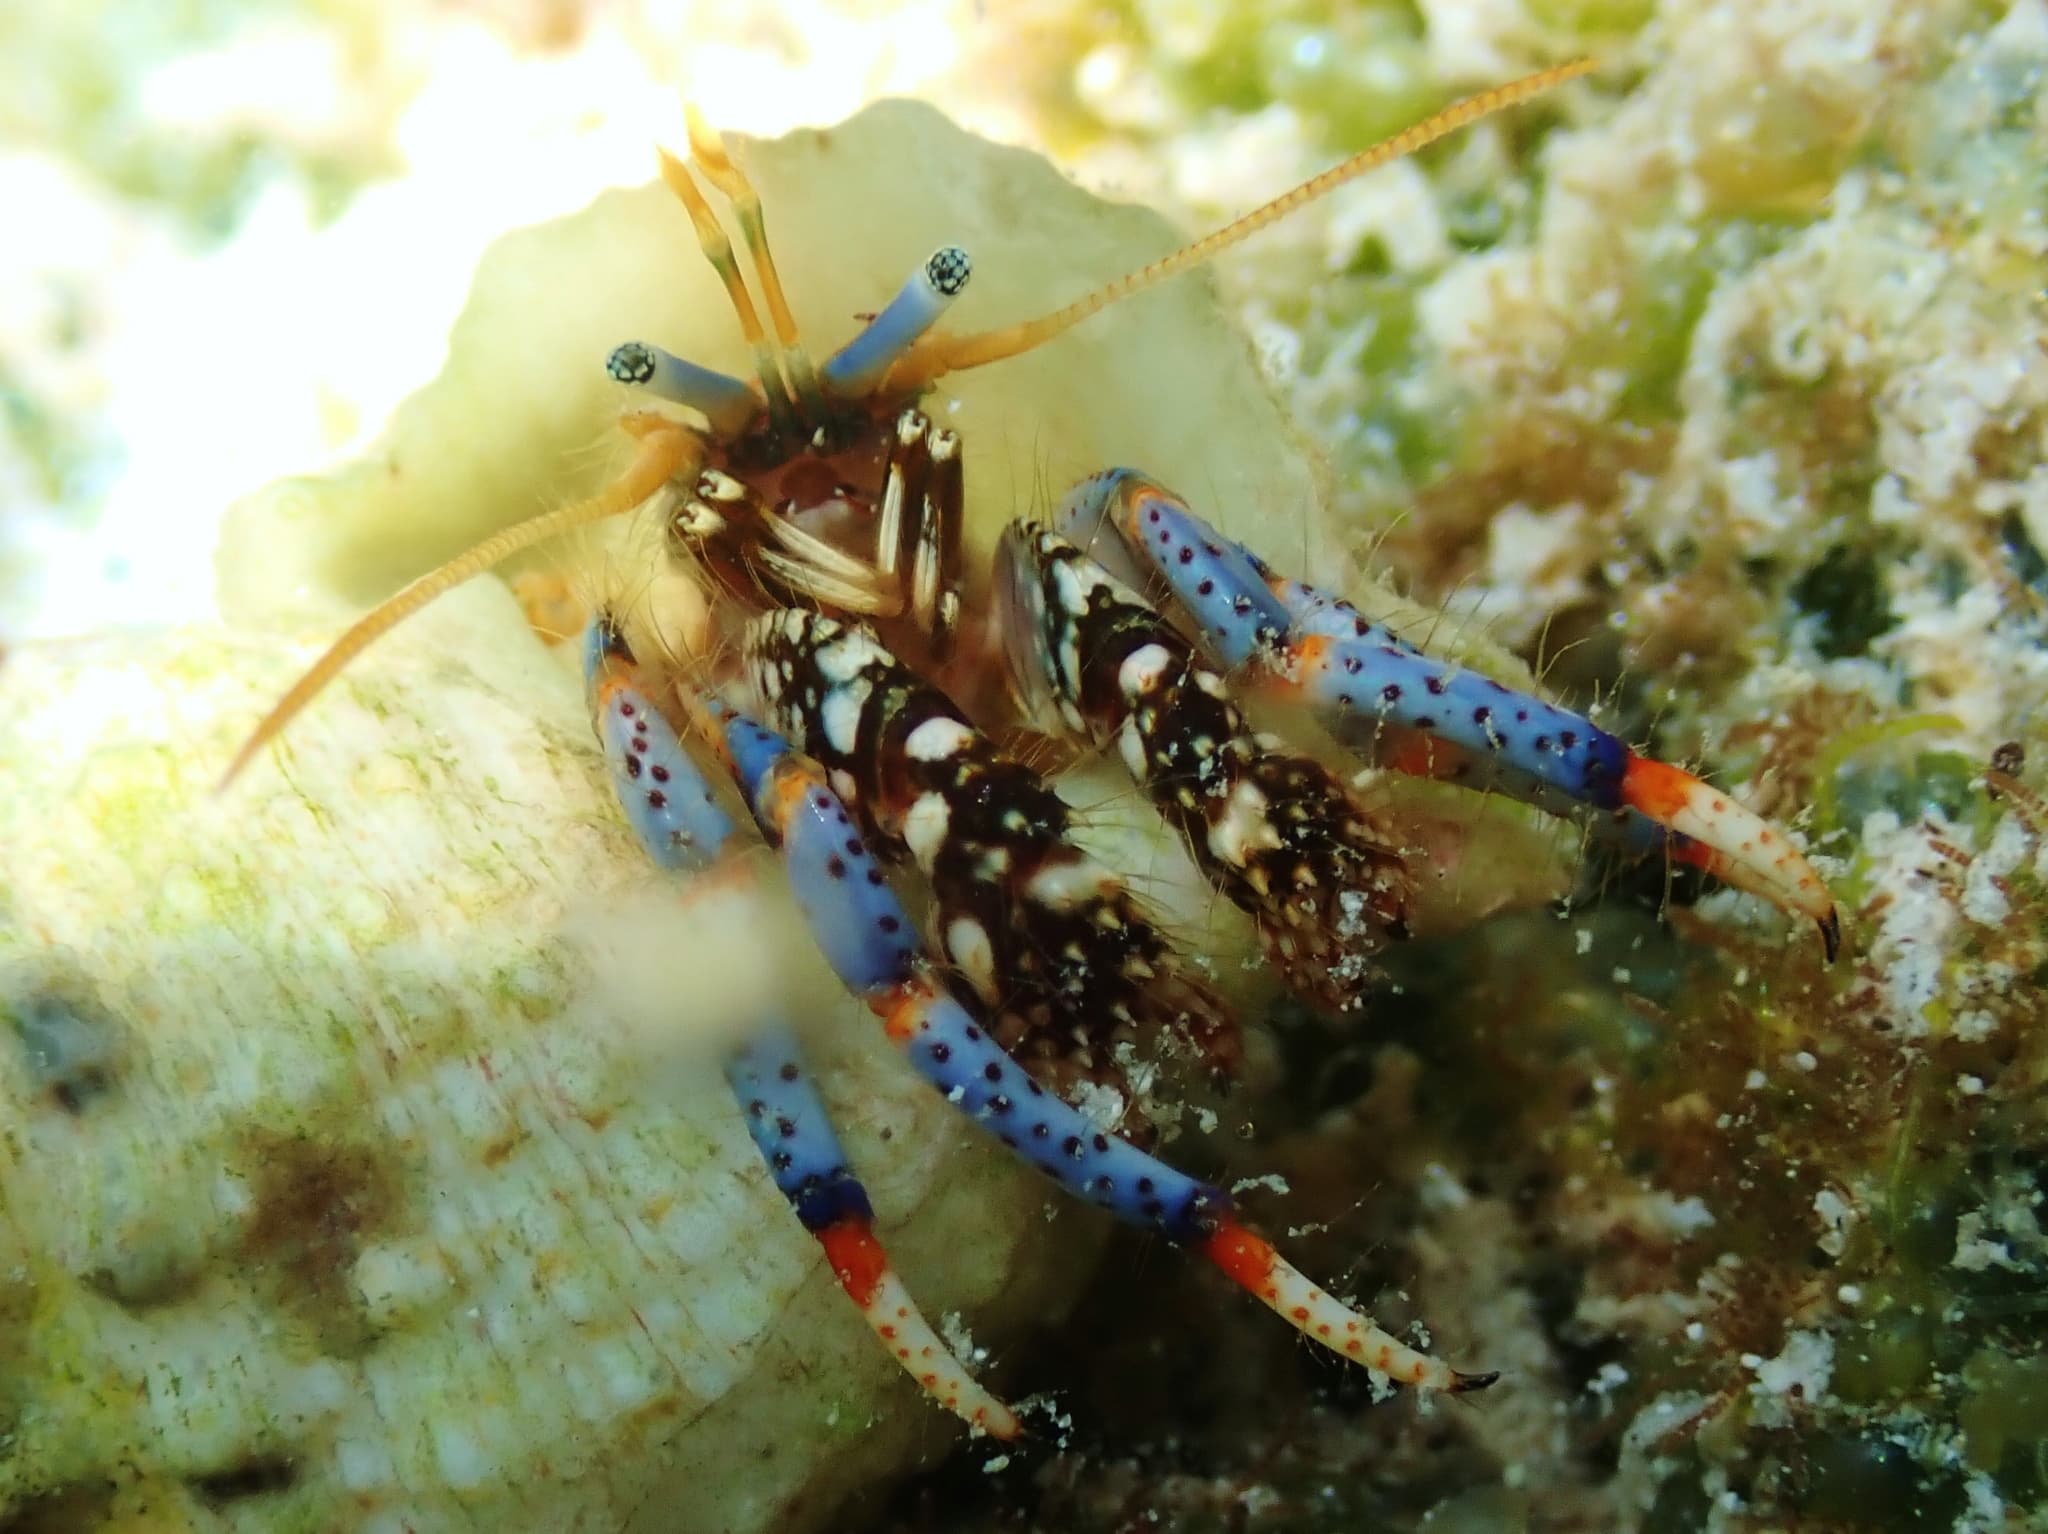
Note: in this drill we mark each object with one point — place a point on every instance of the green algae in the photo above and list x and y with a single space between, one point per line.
1358 73
1886 767
1889 1355
1845 592
2004 1417
1593 21
1876 1483
1735 1095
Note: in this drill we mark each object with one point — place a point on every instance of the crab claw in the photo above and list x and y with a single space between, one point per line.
1300 643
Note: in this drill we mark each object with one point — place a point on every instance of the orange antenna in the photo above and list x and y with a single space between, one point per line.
718 251
707 148
949 354
665 450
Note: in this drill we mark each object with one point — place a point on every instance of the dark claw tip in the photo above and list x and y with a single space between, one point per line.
1464 1384
1831 933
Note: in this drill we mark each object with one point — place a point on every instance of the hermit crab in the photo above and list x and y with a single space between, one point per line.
886 703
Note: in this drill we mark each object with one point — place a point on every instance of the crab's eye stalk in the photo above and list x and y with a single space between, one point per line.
948 269
724 401
856 368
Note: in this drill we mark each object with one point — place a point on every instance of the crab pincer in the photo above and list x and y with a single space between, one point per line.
1291 640
1274 830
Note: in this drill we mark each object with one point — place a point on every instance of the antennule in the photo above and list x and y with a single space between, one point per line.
708 149
717 249
664 451
949 354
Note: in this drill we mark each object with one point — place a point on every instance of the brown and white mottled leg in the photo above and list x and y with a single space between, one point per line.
935 557
1275 831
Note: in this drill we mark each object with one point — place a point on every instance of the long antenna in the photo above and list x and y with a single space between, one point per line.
664 451
949 354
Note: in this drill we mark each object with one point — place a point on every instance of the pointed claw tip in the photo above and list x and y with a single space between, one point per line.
1465 1384
1831 933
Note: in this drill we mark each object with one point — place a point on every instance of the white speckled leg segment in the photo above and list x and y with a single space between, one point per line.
1321 1317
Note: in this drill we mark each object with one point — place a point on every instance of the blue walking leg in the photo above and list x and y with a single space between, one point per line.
678 820
863 930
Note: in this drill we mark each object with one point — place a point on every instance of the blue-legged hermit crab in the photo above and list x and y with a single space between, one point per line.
883 707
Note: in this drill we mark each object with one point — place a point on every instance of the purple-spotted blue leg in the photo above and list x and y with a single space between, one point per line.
666 800
1379 734
866 935
672 809
1303 644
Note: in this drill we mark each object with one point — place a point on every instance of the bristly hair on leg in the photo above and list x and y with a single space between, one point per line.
614 569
